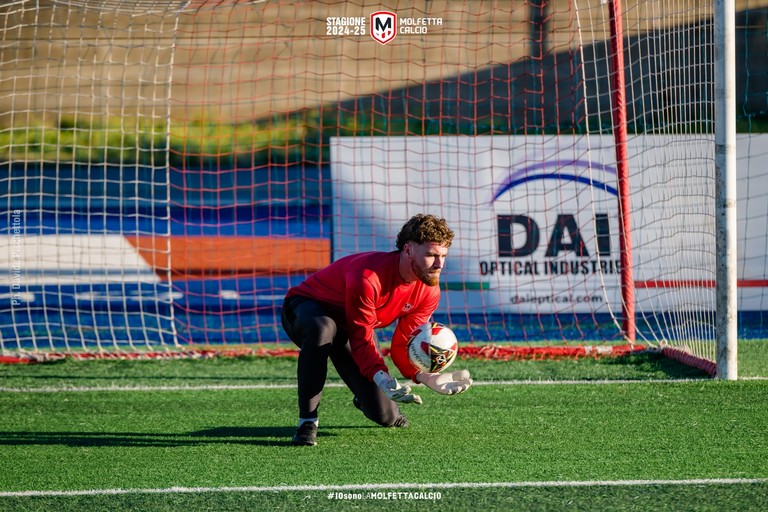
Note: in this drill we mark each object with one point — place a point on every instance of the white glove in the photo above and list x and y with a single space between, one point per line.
446 383
394 390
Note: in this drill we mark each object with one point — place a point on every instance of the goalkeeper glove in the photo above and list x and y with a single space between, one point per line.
394 390
446 383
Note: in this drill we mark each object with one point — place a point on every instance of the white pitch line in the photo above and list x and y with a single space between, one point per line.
392 486
230 387
209 387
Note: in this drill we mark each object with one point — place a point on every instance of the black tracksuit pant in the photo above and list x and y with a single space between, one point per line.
319 338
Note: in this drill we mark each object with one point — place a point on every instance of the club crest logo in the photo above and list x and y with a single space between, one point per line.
383 26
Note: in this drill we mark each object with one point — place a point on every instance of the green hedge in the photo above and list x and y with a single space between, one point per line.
289 138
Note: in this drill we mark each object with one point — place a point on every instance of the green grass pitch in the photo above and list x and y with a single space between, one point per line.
634 433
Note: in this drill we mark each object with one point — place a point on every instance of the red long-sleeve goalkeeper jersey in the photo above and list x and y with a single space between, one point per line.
365 291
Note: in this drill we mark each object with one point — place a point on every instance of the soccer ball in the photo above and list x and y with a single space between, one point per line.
432 347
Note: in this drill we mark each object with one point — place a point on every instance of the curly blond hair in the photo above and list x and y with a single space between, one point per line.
425 228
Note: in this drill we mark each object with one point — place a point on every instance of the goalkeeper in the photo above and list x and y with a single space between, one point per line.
332 315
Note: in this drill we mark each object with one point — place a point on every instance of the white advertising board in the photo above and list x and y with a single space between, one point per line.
536 217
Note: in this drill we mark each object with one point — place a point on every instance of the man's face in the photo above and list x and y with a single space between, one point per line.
426 260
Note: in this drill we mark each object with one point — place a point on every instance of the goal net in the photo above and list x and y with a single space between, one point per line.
170 168
85 91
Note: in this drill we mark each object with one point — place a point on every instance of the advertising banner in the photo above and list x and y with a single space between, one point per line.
536 217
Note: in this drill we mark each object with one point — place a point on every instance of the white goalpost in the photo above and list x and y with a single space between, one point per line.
726 195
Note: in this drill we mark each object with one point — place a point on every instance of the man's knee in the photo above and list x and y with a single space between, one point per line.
386 415
318 331
388 420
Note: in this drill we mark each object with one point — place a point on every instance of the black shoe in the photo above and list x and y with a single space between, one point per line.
306 435
401 422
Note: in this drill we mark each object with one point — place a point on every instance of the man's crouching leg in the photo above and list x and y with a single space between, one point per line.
386 417
312 330
376 406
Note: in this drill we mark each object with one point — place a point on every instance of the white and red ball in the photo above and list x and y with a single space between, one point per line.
432 347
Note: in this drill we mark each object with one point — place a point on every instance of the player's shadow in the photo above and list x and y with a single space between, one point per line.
242 432
252 436
264 436
268 433
654 363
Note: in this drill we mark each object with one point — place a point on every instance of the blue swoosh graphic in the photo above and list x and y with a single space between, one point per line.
523 176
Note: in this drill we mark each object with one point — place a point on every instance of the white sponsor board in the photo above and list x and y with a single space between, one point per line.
536 217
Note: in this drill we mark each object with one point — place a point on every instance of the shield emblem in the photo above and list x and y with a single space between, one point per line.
383 26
